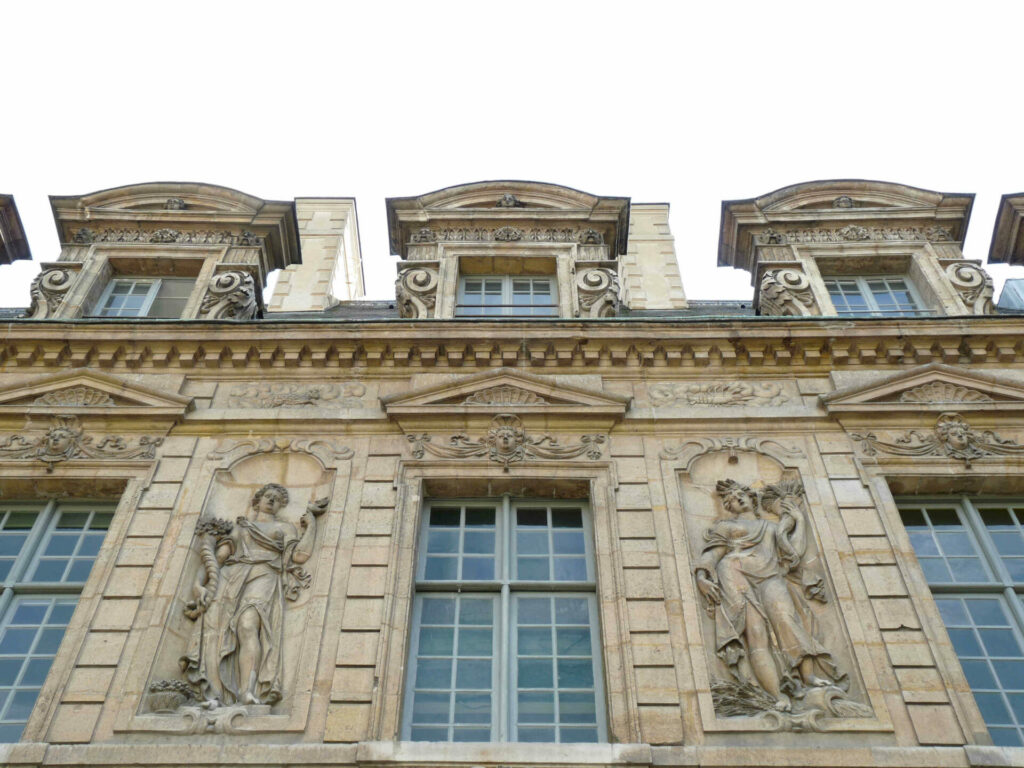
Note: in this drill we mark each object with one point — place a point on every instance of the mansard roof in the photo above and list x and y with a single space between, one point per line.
184 205
838 203
507 201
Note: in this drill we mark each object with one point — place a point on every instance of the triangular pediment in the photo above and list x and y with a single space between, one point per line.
85 392
933 387
505 390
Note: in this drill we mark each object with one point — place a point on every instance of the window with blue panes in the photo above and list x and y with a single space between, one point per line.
46 554
972 554
505 637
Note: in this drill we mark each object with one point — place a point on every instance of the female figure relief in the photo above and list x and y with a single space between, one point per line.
755 584
249 569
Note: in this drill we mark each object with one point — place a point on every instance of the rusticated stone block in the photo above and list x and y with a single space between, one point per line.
661 724
935 724
347 722
73 723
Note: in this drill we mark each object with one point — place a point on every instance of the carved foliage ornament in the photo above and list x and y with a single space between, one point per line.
504 395
75 397
507 234
48 291
416 293
952 437
598 291
758 578
269 394
786 292
852 232
507 443
65 440
729 394
231 295
974 286
85 236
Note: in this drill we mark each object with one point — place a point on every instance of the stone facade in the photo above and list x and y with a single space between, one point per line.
282 467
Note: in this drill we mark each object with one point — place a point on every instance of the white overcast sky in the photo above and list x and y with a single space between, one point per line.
690 103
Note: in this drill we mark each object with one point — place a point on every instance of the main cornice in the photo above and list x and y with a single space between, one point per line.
751 343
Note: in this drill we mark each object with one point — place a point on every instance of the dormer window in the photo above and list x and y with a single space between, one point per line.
163 297
878 296
506 296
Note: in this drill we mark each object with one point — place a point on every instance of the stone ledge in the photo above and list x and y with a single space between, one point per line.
429 753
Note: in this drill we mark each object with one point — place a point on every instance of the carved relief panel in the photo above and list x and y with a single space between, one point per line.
239 649
773 650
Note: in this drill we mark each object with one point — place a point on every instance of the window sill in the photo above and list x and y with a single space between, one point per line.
503 753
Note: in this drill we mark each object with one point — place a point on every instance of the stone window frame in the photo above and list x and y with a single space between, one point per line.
19 584
419 479
507 306
868 295
999 584
152 294
450 269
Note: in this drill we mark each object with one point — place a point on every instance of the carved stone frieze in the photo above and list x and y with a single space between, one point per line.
787 292
943 392
507 443
416 292
851 233
272 394
65 439
504 395
758 576
508 234
248 571
76 397
85 236
477 234
231 295
974 286
721 394
48 290
952 436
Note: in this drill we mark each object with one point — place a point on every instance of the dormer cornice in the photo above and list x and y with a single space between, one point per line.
180 213
838 211
536 210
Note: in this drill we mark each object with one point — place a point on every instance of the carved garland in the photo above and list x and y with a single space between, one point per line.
48 291
65 440
507 234
598 291
231 295
85 236
974 286
852 233
269 394
507 443
786 292
952 437
416 293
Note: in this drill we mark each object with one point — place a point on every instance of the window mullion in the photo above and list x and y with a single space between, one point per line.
976 528
33 543
505 630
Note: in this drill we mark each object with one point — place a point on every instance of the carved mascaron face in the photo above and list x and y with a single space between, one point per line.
59 441
506 439
955 434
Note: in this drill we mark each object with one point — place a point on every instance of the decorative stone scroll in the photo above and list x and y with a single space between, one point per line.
65 440
249 570
787 292
598 291
416 293
974 286
231 295
757 578
952 437
272 394
48 291
507 443
720 394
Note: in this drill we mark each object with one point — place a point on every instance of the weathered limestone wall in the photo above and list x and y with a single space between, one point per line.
650 271
652 496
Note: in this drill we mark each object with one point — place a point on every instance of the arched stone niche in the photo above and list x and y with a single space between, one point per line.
295 608
777 650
